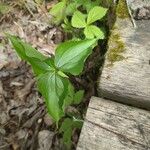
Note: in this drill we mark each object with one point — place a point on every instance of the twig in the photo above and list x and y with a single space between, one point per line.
130 14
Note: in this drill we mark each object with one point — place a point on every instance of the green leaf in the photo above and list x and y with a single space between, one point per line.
66 129
67 138
69 98
31 55
62 74
88 33
39 67
78 20
67 101
66 84
92 31
79 2
88 4
70 56
78 97
71 8
95 14
67 27
56 9
50 61
58 12
67 123
77 123
25 50
52 88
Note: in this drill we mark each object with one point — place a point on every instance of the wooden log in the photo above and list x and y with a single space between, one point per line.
113 126
126 72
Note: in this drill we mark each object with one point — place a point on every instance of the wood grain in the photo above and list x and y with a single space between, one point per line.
114 126
128 80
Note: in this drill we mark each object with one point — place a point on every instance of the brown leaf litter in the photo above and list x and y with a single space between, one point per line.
24 124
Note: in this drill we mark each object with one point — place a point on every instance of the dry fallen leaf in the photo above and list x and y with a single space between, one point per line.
45 139
48 120
3 57
23 93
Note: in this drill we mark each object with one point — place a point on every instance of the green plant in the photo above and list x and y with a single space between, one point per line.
52 76
52 80
52 73
67 127
80 20
66 8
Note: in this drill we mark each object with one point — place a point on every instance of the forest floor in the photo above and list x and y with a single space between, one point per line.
24 122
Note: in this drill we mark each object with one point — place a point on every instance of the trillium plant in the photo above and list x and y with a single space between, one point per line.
52 73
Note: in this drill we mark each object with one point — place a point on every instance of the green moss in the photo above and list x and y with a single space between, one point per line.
115 42
117 48
122 10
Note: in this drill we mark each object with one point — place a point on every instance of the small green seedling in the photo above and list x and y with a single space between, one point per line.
66 8
58 12
80 20
67 127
